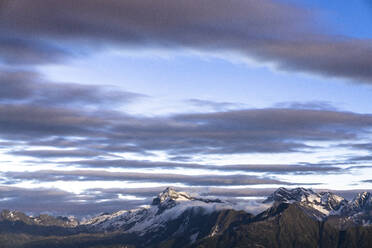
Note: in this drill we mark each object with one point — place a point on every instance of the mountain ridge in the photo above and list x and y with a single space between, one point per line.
179 219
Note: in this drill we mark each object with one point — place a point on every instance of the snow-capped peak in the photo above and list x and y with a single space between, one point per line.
167 206
361 201
170 194
292 195
319 205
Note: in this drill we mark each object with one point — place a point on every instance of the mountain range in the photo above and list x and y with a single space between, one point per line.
296 218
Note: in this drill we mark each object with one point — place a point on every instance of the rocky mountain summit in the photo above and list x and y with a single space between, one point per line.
167 206
42 220
297 218
326 205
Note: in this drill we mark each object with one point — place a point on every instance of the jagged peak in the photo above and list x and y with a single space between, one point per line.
12 214
289 195
42 219
363 196
307 196
298 190
362 199
170 194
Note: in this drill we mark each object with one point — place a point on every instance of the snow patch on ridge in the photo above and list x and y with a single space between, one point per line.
171 204
167 206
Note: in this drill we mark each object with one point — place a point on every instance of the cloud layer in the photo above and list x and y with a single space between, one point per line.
64 132
68 132
268 31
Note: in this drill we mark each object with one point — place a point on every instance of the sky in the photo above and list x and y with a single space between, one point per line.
104 103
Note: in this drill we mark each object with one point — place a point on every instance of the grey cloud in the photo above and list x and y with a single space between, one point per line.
29 87
89 175
284 168
229 132
47 154
6 144
29 122
181 158
99 145
36 110
269 31
244 131
58 142
217 106
314 105
284 117
361 158
271 168
21 50
14 84
4 4
360 146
